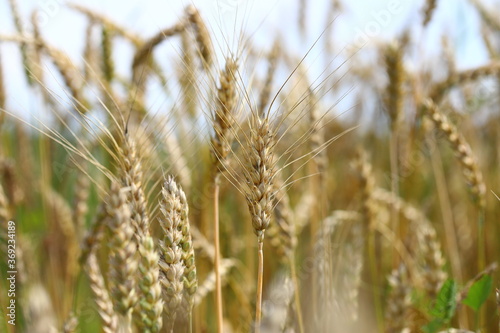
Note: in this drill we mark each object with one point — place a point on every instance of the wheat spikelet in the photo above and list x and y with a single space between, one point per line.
62 214
430 6
430 259
101 295
90 56
463 151
188 259
171 263
150 304
123 259
203 39
398 301
80 207
259 173
132 178
282 233
108 65
20 27
367 185
71 324
393 57
223 117
188 76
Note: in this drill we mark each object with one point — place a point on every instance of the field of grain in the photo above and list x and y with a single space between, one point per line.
230 186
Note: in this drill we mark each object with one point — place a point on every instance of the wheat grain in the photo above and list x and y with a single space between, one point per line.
101 295
463 151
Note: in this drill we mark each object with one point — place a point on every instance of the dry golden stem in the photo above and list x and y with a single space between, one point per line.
260 281
217 258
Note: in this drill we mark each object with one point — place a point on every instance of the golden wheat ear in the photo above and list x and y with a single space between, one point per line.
173 215
123 261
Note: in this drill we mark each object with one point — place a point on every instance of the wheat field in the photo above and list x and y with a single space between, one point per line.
215 183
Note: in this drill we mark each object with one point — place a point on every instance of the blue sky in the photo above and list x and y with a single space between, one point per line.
370 21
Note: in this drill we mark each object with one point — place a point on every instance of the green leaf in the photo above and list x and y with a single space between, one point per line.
446 303
478 293
433 326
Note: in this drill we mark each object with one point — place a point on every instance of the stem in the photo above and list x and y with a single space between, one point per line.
394 188
260 278
481 259
374 278
190 319
446 211
296 291
481 243
218 287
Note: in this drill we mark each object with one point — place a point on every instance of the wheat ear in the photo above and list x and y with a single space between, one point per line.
398 301
171 264
430 6
190 277
101 295
370 214
259 172
150 305
132 178
223 121
203 39
123 259
463 151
